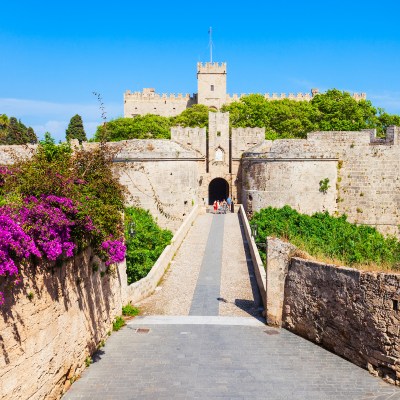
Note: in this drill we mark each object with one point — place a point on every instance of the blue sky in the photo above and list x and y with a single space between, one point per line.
55 54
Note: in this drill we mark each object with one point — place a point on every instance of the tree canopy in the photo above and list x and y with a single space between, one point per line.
75 129
13 131
330 111
140 127
197 115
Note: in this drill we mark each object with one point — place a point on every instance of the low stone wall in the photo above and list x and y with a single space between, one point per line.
146 286
352 313
258 265
52 322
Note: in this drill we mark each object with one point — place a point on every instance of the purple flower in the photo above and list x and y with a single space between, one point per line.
115 251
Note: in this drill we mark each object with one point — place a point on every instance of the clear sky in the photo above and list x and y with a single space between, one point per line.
55 54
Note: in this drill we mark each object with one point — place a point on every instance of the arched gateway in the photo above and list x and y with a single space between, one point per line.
218 189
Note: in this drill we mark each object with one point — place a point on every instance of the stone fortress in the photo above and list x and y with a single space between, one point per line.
199 165
211 91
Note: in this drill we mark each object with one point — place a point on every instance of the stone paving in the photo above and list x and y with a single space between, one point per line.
215 356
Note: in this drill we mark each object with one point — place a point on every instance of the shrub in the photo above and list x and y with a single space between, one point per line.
130 310
328 236
118 323
59 202
146 246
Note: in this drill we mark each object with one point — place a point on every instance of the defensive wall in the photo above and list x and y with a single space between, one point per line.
363 173
211 91
355 314
169 177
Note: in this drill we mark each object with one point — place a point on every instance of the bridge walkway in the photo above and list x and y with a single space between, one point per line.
201 336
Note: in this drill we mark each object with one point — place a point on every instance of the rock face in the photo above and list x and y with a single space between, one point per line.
355 314
52 322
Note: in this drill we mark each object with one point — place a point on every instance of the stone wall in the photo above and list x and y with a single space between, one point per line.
52 322
363 173
149 102
352 313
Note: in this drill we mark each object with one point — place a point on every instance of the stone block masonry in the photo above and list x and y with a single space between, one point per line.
53 322
352 313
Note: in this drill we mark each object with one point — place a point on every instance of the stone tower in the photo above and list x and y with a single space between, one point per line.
211 84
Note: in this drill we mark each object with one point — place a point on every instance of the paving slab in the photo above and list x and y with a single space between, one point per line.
217 361
223 350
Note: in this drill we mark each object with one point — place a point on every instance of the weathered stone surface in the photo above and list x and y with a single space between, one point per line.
44 340
363 173
347 311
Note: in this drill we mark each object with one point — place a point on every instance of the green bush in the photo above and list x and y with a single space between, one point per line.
327 236
146 246
85 176
130 311
118 323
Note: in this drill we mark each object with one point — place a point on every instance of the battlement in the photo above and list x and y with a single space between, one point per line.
249 132
150 95
179 132
290 96
211 68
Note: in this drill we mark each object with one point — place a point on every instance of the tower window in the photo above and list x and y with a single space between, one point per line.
212 88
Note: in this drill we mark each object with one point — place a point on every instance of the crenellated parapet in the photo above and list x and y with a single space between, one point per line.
211 68
291 96
151 95
195 138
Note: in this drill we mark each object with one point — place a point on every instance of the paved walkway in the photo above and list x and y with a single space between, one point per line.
199 341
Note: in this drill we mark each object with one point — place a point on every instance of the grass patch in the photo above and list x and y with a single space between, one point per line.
130 311
118 323
330 238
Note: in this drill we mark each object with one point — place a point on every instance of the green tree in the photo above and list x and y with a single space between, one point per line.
13 131
75 129
31 136
384 120
281 118
147 126
14 134
338 111
3 121
197 115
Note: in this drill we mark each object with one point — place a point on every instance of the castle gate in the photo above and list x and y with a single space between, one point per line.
218 189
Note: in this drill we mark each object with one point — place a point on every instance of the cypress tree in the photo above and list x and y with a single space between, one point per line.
14 134
75 129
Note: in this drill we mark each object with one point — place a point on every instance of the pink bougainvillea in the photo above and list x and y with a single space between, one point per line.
115 250
48 228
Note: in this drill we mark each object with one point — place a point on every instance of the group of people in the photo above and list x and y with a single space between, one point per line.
221 207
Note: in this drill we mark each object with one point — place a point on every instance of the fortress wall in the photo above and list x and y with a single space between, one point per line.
352 313
245 138
46 339
292 182
289 96
363 173
8 154
164 105
195 138
167 188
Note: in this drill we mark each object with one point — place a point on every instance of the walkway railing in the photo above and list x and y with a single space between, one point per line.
258 265
145 287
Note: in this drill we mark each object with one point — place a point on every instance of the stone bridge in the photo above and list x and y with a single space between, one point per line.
202 335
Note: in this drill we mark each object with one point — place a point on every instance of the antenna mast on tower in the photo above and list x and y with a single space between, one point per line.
210 43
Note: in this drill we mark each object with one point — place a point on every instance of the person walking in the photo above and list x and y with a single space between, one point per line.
232 207
215 206
224 206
